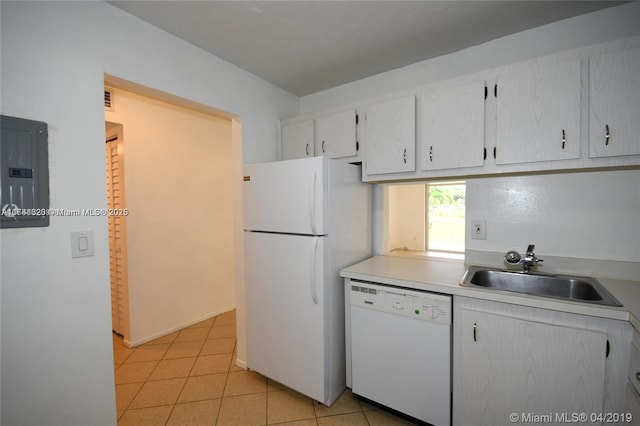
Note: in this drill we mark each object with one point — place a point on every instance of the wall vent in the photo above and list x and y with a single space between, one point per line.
108 100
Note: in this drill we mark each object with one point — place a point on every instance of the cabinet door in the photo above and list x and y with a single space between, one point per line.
614 110
452 125
632 402
538 112
510 365
336 134
391 136
297 140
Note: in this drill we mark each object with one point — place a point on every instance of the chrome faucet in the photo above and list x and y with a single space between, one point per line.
529 260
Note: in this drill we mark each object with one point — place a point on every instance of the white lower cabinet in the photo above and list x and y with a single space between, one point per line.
515 364
632 405
632 399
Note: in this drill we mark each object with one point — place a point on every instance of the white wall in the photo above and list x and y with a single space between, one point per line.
590 215
406 217
593 215
57 365
609 24
178 186
566 221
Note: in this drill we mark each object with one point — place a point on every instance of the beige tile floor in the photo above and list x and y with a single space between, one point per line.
189 378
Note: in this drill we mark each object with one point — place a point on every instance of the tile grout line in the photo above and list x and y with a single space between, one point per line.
266 402
115 388
128 407
209 330
143 383
173 406
226 380
228 371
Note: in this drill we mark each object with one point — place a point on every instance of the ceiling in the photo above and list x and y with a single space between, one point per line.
309 46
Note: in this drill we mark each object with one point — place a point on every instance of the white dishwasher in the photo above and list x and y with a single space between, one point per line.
401 349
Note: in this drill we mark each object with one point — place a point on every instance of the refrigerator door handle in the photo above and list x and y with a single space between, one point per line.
314 291
312 204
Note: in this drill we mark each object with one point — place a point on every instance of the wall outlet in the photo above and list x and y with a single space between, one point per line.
478 229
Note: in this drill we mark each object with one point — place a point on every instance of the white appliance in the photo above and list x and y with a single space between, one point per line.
401 349
304 220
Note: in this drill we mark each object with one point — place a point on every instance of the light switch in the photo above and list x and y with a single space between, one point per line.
81 244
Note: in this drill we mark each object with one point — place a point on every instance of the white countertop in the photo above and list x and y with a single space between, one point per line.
444 276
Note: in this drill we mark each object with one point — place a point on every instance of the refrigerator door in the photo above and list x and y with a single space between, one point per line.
284 304
287 196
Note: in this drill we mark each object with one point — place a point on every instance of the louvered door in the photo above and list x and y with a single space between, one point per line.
117 237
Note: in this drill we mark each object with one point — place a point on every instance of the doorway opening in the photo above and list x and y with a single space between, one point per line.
183 206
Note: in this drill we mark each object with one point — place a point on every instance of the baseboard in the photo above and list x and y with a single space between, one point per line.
242 364
132 344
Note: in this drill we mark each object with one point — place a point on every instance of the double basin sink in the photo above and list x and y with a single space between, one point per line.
567 287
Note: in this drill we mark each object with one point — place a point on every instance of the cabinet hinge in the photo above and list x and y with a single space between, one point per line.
356 118
486 92
357 146
495 90
606 355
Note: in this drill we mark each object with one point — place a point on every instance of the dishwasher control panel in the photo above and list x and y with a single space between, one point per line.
417 304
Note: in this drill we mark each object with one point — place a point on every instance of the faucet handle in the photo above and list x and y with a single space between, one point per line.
514 258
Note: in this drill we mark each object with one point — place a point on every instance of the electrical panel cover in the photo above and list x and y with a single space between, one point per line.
24 174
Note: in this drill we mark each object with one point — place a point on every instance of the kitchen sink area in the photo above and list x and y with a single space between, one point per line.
512 322
530 281
568 287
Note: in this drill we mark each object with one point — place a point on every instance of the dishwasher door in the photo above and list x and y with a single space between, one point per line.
401 350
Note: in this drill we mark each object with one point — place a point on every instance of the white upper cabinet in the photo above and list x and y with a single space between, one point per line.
572 110
296 140
336 134
452 124
538 111
614 118
391 136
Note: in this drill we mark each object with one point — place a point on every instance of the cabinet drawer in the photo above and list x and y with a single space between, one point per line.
634 362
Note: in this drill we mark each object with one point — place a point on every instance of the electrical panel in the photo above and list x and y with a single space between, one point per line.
24 174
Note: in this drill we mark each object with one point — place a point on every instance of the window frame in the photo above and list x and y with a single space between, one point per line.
438 252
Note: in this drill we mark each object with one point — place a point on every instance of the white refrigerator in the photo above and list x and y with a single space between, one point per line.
304 221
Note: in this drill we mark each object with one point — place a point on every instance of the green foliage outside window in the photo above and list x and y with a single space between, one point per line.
445 217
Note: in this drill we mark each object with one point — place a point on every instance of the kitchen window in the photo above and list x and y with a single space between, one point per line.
425 219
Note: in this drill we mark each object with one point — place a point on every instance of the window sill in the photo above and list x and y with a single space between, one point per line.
418 254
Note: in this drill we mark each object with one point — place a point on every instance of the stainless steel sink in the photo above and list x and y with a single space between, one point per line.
582 289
